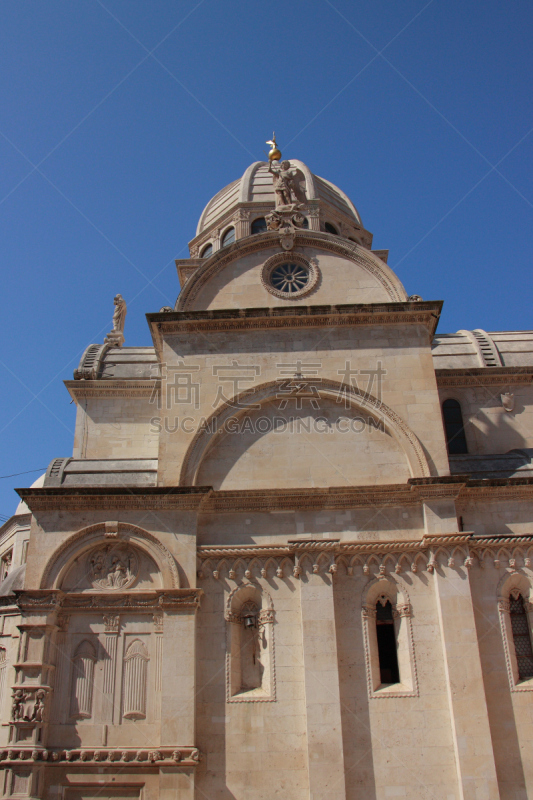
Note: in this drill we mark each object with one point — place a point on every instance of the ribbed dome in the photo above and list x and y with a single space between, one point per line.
255 186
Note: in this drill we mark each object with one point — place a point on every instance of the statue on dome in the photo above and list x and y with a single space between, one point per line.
286 185
289 194
116 336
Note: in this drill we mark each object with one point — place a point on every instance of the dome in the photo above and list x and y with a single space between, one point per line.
255 186
22 508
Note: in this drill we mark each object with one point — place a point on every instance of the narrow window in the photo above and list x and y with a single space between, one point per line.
82 681
521 637
229 237
388 657
454 428
207 251
259 225
329 228
305 223
135 674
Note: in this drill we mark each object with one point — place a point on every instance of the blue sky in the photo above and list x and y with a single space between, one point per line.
121 118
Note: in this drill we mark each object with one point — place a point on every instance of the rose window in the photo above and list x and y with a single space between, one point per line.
289 278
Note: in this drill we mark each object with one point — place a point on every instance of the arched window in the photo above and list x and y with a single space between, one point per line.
207 251
454 428
388 656
81 697
135 674
229 237
521 637
329 228
259 225
305 223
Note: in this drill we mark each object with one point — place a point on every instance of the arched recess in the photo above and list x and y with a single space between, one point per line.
389 592
205 439
511 587
370 263
250 667
87 539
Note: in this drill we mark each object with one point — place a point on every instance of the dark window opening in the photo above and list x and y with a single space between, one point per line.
207 251
521 637
259 225
454 428
305 223
229 237
329 228
388 656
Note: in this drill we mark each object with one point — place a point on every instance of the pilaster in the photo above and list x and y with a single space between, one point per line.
321 674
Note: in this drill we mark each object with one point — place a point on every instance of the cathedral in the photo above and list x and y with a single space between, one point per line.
290 556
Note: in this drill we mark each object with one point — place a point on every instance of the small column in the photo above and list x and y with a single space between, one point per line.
158 659
313 214
112 627
321 670
241 220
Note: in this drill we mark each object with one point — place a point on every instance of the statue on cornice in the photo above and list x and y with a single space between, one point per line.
116 336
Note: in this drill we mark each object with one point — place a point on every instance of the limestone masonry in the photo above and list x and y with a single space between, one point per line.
291 553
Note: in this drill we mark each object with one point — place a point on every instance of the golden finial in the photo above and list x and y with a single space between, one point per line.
274 154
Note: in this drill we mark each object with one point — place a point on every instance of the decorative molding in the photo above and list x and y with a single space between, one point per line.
204 498
160 599
81 389
182 756
294 317
484 376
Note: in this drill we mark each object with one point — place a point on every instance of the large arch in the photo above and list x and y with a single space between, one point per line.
84 540
206 438
344 247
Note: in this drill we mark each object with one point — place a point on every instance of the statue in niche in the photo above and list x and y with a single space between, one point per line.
116 336
112 567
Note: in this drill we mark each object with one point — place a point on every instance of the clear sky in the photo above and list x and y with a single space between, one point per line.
121 118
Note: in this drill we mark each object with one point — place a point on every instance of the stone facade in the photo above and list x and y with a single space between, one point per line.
271 567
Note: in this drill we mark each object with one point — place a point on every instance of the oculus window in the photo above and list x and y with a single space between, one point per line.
289 278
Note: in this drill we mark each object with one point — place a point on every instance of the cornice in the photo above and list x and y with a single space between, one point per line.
54 600
484 376
399 313
71 498
81 389
204 499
